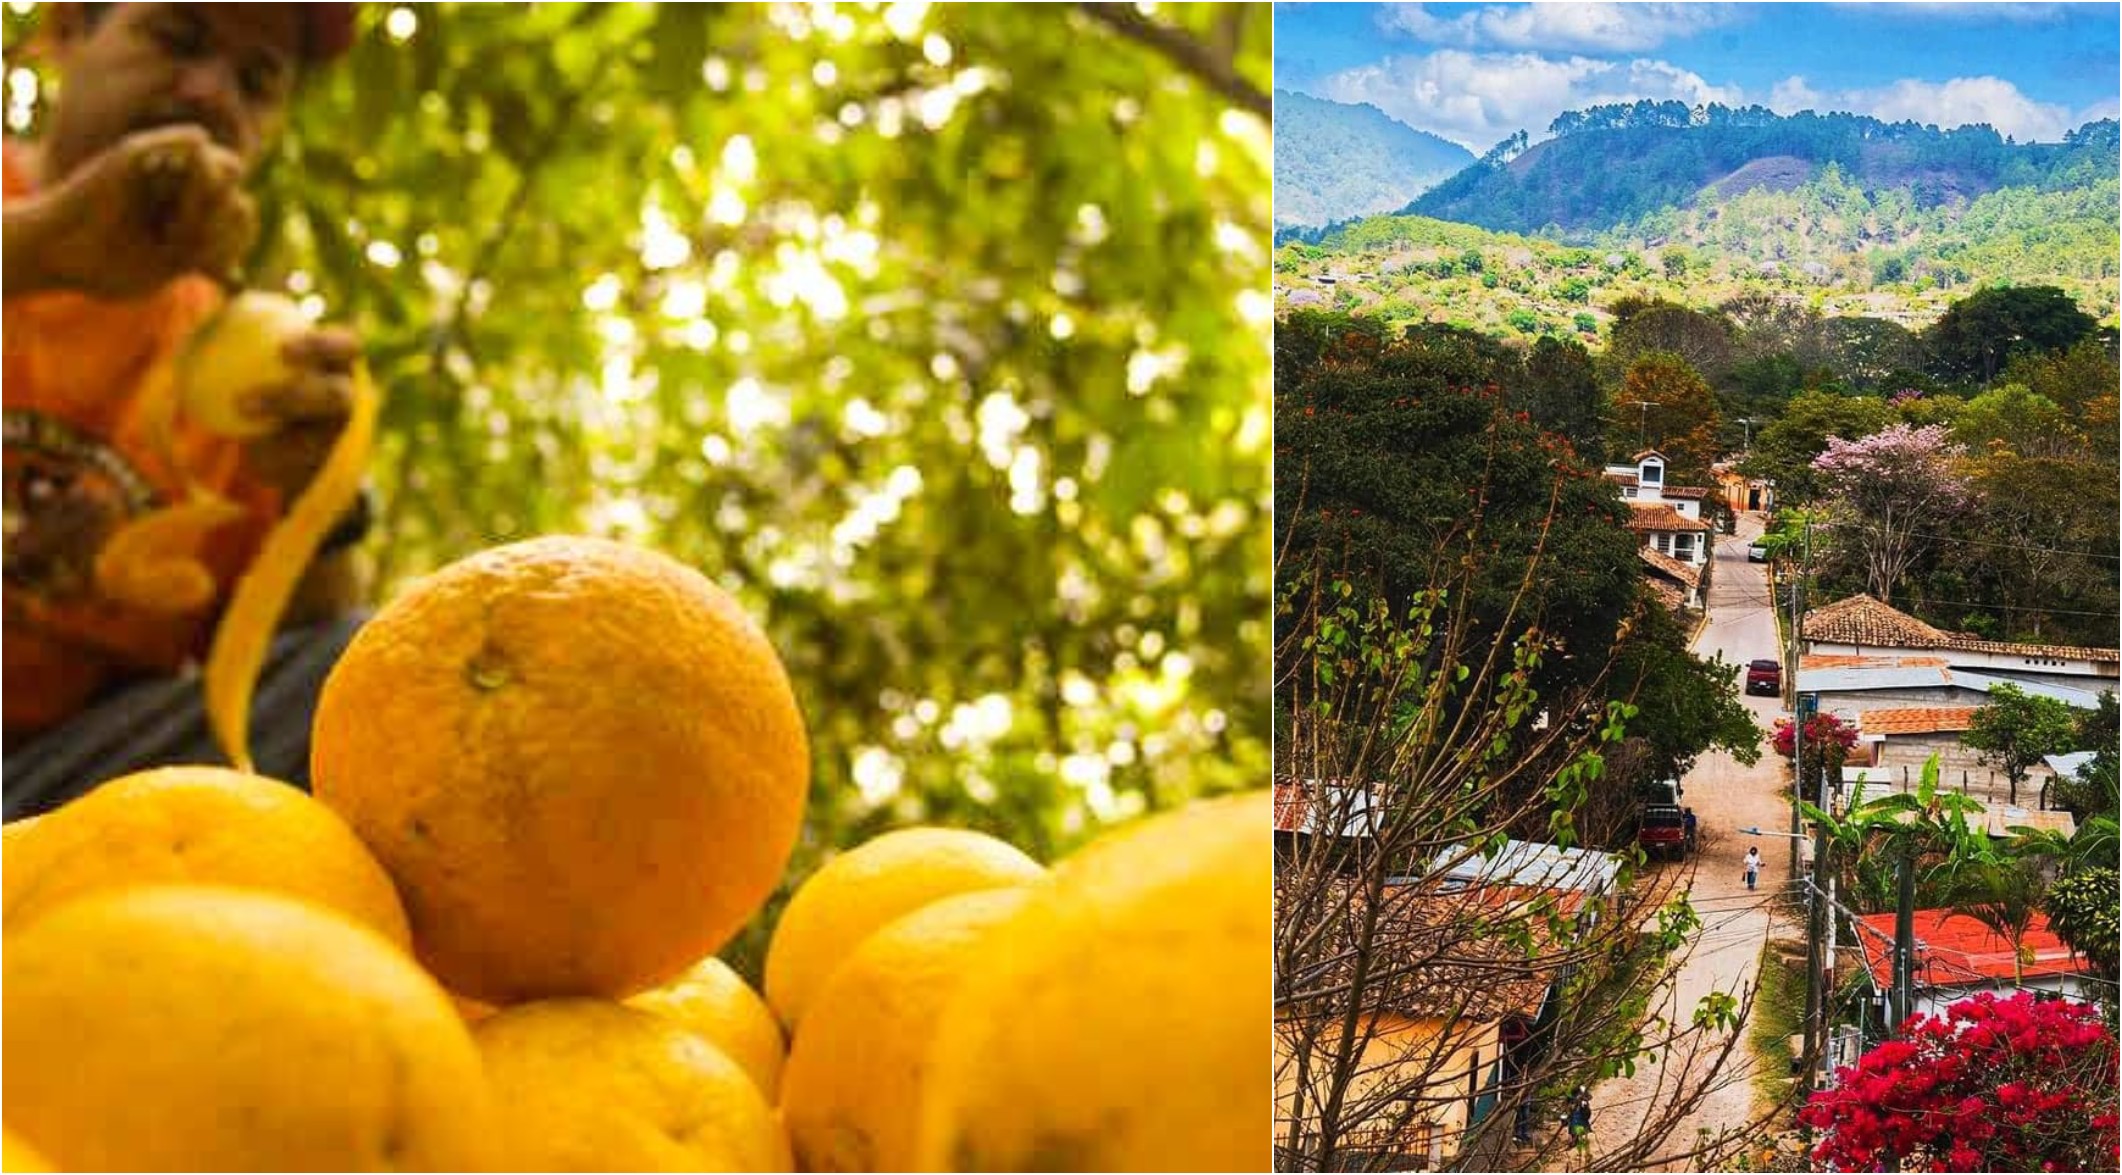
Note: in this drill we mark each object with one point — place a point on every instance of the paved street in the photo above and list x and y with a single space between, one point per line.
1726 797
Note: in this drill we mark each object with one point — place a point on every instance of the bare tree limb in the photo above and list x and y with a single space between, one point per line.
1197 59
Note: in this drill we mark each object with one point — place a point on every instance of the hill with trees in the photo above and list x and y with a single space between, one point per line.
1334 161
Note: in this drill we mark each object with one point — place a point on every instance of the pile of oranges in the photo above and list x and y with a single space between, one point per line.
551 781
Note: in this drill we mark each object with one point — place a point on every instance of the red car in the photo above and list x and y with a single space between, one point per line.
1764 677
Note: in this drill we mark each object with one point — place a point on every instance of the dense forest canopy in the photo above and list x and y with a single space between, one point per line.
1609 165
938 332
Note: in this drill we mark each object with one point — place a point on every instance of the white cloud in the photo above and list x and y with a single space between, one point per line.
2016 13
1956 102
1475 99
1578 27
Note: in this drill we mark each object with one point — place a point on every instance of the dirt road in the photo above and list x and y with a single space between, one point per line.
1726 797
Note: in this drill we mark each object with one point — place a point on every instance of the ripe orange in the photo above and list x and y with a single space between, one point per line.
852 1094
714 1001
205 1028
590 1085
580 760
207 825
1118 1021
872 884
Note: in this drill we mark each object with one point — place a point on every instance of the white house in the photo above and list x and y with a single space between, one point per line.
1860 626
1667 517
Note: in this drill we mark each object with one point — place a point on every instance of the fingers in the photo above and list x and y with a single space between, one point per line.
327 348
321 398
190 199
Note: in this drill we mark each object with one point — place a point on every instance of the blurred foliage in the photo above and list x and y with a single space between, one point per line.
938 334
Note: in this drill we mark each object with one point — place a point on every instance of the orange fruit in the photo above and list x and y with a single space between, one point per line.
205 1028
1119 1022
860 890
852 1092
208 825
714 1001
580 760
17 1155
590 1085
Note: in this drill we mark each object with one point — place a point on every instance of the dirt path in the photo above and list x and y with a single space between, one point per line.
1726 797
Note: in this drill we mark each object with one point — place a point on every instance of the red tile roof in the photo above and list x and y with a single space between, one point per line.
1627 479
1862 620
1657 516
1917 720
1686 573
1669 594
1954 949
1689 493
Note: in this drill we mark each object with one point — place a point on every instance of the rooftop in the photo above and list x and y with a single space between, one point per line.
1686 573
1917 720
1955 950
1864 621
1657 516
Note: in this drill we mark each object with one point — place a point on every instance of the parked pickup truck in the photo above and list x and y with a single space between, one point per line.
1661 822
1764 676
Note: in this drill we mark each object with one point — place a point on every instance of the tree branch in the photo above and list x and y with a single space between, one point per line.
1183 51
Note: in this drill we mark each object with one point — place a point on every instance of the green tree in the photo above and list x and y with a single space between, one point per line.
2082 909
1981 333
2013 419
2014 730
1785 450
1561 394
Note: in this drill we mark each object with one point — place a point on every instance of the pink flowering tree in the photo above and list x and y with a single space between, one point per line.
1995 1084
1889 491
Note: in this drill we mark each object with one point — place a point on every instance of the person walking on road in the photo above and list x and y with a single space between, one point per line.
1753 865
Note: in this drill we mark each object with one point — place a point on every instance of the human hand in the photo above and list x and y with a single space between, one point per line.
158 204
308 410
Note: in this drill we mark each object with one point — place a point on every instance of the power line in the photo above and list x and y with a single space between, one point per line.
1959 540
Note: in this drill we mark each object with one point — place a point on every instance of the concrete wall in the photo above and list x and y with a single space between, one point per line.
1401 1051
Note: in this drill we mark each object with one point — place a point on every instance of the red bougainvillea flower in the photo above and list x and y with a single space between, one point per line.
1995 1084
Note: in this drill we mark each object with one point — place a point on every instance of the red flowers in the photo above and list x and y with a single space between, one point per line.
2017 1084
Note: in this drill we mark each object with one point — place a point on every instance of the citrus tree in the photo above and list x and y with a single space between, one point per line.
938 334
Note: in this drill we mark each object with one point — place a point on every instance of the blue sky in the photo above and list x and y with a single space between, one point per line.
1474 73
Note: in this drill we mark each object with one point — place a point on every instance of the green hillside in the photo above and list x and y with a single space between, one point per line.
1334 161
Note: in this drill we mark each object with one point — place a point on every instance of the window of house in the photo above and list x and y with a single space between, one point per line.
1684 546
1664 543
1652 473
1628 491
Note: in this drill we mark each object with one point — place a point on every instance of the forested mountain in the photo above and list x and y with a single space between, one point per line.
1613 166
1334 161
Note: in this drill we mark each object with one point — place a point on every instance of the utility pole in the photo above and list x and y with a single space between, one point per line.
1643 422
1748 421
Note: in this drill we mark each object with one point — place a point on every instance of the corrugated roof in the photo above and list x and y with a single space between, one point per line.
1893 677
1955 949
1686 573
1657 516
1862 620
1923 673
2070 764
1917 720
